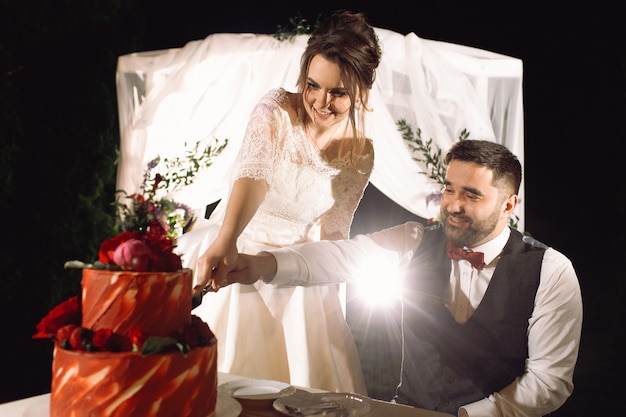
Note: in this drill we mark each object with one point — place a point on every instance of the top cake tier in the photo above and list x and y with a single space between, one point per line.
157 302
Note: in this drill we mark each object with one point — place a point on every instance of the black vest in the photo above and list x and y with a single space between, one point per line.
447 364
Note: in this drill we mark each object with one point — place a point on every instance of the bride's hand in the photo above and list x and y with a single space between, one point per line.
213 266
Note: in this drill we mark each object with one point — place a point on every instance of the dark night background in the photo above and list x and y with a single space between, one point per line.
59 133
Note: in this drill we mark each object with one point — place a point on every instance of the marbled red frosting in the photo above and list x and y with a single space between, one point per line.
125 384
157 302
106 384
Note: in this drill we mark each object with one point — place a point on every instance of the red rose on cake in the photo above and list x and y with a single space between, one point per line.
68 312
141 252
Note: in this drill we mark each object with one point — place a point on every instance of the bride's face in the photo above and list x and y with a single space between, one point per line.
325 98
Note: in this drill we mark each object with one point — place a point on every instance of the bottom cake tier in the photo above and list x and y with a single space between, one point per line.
107 384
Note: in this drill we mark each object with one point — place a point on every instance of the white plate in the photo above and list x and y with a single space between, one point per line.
303 404
256 389
225 407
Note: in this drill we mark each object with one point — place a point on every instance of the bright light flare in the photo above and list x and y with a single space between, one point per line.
378 284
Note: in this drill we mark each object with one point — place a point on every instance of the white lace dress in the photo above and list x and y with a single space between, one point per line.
292 334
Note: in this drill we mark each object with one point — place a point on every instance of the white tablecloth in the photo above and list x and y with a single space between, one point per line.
32 406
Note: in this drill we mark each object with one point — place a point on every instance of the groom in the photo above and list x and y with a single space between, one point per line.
491 319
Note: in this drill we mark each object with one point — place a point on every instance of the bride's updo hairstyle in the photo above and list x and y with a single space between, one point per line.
346 39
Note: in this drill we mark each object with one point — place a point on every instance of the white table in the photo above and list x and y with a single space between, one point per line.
28 407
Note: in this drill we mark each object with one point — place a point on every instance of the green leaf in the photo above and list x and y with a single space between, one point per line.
76 264
155 344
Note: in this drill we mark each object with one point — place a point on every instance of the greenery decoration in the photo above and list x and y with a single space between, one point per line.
429 154
298 26
155 189
149 222
181 171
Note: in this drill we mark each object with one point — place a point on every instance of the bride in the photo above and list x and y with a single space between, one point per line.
299 176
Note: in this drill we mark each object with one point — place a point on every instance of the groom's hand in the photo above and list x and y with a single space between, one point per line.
250 268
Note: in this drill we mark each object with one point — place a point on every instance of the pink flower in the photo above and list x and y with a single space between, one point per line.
107 248
133 254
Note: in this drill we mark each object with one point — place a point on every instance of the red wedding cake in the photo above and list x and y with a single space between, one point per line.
98 369
129 345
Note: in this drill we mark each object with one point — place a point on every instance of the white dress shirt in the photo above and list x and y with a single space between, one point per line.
553 329
468 284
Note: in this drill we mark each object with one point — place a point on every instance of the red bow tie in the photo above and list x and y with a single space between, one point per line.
477 259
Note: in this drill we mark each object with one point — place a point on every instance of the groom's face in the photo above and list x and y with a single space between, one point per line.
472 209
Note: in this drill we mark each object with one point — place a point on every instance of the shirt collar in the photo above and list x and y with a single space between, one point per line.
494 247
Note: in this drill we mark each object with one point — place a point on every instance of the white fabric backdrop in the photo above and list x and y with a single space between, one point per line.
207 88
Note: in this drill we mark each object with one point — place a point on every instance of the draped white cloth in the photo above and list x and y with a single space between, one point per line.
207 89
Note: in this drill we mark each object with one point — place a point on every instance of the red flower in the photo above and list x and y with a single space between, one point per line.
150 250
142 206
157 180
163 259
156 238
107 248
68 312
166 262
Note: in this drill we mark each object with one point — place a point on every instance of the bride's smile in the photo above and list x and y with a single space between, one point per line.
326 100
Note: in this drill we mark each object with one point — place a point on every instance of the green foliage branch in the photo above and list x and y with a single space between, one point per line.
298 25
154 201
182 171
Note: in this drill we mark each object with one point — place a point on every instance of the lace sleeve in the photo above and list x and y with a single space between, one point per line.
348 188
257 148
